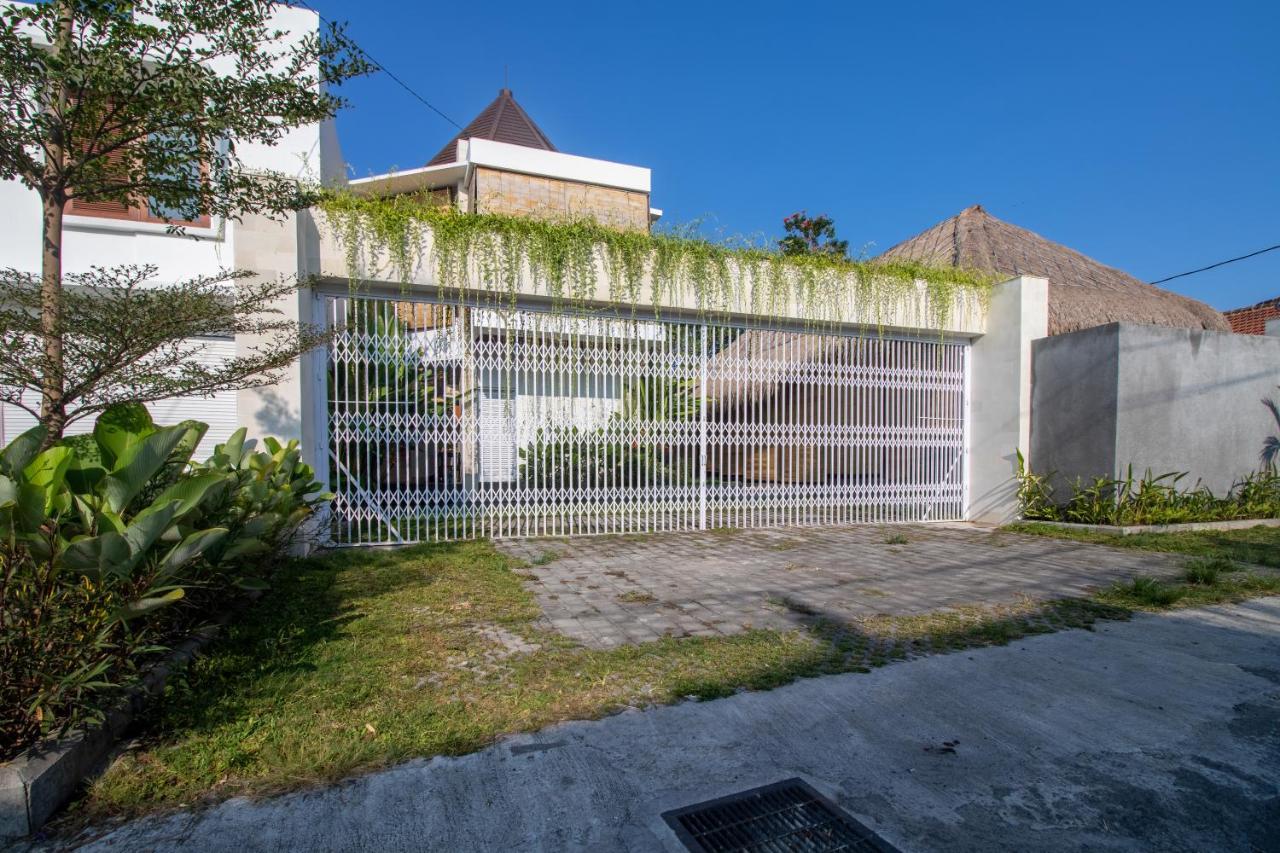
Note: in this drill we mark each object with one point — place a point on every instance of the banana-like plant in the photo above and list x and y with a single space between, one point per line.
100 533
81 516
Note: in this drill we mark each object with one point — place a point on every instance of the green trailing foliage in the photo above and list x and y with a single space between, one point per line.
114 543
565 260
1150 499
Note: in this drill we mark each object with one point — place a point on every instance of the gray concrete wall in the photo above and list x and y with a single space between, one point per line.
1074 379
1157 398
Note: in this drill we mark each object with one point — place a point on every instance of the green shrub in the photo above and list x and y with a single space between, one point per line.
1151 499
103 539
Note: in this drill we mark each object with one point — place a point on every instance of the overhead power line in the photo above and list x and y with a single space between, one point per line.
376 64
1219 264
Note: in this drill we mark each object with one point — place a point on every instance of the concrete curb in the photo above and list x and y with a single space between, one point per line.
36 783
1130 530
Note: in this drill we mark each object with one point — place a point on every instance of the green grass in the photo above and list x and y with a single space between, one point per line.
1254 545
363 658
1212 587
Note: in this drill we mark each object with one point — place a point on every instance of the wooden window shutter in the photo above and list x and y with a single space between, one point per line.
138 210
108 208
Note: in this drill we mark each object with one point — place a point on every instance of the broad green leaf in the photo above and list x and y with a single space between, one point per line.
49 467
84 478
19 453
148 526
234 447
260 524
190 492
193 431
47 472
189 549
105 554
138 464
143 606
121 427
108 520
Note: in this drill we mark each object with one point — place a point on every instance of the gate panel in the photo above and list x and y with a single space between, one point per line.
448 421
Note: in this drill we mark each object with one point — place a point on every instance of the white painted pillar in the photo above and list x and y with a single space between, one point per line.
1000 394
270 249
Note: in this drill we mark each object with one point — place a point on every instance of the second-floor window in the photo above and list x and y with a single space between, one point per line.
148 209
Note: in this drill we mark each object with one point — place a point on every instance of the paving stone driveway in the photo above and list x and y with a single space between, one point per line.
606 591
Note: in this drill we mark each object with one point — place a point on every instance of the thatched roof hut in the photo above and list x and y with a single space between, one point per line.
1082 292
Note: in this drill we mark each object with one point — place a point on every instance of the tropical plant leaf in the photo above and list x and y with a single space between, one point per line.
119 428
147 527
138 464
19 452
143 606
47 472
234 447
243 547
191 548
105 554
191 491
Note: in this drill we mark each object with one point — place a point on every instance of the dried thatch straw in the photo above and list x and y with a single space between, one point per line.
1082 292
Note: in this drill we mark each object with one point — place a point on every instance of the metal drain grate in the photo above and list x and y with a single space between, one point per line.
784 816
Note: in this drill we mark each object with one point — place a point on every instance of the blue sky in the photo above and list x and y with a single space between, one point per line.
1146 135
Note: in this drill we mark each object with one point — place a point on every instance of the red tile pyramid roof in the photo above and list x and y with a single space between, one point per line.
503 120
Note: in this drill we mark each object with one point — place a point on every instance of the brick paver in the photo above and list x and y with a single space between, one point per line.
607 591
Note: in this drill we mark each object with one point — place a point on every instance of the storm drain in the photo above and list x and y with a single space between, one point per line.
785 816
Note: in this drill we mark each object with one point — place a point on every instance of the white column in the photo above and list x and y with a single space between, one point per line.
1000 411
269 249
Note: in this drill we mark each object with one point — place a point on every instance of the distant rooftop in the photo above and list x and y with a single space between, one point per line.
1252 320
504 120
1082 292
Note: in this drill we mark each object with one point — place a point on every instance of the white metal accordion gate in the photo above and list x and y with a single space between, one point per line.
449 421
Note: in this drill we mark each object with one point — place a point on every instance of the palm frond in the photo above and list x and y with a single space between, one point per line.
1271 450
1273 407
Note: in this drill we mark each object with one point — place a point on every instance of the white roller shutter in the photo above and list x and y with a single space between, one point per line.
217 410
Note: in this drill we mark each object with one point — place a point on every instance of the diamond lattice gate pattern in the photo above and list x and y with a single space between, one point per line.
448 421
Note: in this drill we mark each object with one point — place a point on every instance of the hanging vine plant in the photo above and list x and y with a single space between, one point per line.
387 238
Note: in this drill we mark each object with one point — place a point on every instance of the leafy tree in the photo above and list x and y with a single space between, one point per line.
128 100
812 235
122 340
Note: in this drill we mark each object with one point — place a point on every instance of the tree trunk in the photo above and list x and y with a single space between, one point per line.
53 406
53 411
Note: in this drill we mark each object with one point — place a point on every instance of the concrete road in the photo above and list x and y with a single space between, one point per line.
1158 734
